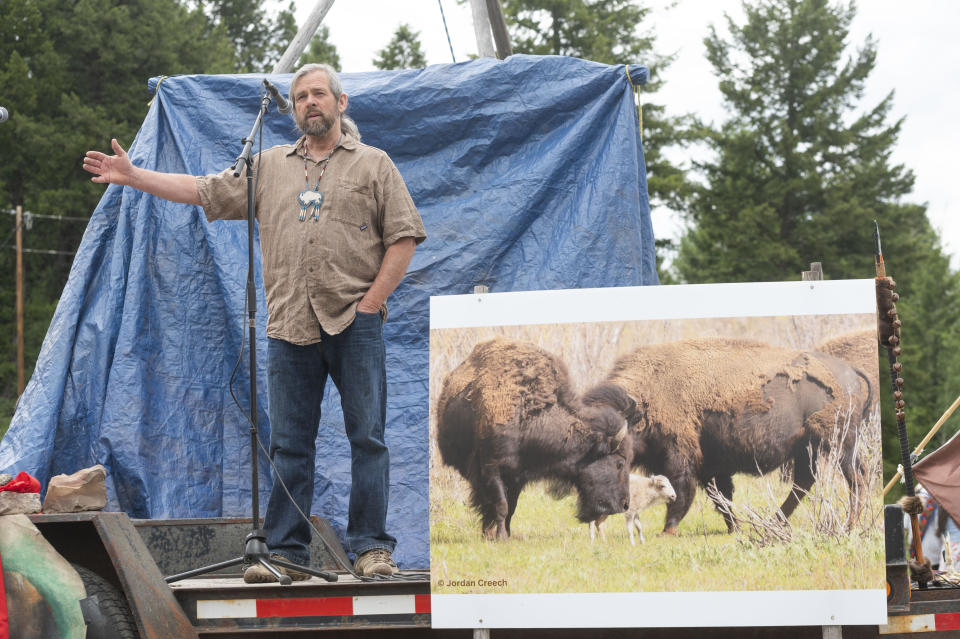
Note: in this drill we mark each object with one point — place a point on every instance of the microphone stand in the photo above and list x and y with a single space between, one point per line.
255 543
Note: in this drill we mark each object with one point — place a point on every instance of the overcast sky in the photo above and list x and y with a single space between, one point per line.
918 57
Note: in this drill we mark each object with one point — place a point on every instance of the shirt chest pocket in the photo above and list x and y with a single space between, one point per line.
354 205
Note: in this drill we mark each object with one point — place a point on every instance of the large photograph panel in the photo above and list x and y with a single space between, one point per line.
647 446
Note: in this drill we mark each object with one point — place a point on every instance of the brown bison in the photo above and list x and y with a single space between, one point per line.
507 415
858 349
711 407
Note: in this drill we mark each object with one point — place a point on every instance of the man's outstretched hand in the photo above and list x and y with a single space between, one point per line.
109 169
118 169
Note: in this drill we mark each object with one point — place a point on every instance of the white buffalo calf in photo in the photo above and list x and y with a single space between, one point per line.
644 493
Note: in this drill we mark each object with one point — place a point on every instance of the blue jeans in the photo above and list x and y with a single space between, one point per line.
296 376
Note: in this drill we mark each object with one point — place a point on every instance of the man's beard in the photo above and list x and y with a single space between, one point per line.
315 128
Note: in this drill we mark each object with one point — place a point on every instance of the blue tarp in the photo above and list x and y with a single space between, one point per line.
528 173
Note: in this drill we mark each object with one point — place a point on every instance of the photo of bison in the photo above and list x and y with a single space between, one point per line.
507 415
720 386
709 408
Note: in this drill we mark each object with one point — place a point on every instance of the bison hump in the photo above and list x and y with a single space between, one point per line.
680 381
504 383
512 378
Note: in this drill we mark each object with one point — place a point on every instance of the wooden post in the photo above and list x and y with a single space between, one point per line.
832 632
20 367
498 25
815 272
481 27
301 41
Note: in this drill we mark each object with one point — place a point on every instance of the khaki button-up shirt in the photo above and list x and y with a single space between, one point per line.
315 272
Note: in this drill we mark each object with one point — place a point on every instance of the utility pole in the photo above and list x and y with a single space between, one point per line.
20 368
498 25
301 41
481 27
487 18
19 221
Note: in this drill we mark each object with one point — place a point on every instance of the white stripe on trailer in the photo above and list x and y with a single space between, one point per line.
385 605
226 608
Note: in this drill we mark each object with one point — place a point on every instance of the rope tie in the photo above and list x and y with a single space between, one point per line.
636 95
156 90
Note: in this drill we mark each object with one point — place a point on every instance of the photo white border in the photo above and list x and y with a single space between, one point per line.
657 609
762 608
687 301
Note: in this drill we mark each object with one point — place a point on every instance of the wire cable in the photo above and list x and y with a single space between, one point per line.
16 228
444 16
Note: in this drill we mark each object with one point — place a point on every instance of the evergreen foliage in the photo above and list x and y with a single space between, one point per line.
74 74
599 30
799 173
258 40
403 51
321 50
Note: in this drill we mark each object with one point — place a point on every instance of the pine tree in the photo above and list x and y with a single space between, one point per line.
799 173
259 40
321 50
403 51
74 75
599 30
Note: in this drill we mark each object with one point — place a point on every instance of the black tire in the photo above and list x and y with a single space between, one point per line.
105 609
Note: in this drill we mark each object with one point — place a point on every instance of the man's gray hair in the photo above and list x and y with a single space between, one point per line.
347 125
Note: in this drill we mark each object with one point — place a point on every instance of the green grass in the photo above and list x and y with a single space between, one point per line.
550 551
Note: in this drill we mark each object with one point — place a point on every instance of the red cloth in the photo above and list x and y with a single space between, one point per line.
22 483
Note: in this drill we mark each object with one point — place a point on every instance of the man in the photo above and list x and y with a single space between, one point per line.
337 232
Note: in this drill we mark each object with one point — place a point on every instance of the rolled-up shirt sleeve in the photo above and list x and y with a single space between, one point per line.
398 214
223 196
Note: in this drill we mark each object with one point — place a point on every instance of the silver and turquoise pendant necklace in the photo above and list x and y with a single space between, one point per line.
312 199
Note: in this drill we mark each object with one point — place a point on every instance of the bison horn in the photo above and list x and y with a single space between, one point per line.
621 435
632 405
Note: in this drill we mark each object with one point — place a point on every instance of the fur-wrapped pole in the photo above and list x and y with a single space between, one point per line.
888 334
911 505
921 570
922 573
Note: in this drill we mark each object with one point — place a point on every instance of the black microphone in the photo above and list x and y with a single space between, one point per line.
283 106
4 115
